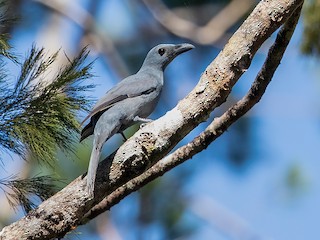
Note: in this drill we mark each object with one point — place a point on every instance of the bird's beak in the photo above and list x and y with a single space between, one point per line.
176 50
183 47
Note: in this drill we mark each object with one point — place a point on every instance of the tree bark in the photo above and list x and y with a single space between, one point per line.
144 153
215 129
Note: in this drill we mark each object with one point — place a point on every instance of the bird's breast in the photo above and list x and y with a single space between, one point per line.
141 106
147 103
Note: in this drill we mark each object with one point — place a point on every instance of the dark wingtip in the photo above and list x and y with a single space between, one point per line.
81 139
86 131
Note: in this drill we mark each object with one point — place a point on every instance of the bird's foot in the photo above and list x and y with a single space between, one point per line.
142 120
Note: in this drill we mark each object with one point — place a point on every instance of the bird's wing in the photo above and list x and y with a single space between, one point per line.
128 88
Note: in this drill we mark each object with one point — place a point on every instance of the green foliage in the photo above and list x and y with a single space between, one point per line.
311 35
5 22
295 179
38 114
43 187
169 209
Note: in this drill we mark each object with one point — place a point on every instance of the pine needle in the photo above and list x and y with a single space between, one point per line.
38 119
22 191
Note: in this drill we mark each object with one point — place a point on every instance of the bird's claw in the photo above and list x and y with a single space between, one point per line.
142 120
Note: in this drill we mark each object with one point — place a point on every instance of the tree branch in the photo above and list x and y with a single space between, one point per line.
209 33
215 129
66 209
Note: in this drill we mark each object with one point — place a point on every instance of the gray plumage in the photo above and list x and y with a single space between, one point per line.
131 101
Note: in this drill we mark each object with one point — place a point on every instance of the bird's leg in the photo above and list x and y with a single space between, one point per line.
124 136
144 121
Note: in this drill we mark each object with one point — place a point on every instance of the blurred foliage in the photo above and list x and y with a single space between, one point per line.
164 202
240 153
311 34
6 21
295 178
21 189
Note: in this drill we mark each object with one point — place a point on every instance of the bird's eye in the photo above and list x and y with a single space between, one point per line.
161 51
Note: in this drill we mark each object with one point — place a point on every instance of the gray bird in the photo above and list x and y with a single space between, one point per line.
130 101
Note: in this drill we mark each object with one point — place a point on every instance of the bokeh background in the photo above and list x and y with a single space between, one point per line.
260 180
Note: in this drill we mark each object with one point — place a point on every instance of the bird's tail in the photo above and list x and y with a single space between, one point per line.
93 165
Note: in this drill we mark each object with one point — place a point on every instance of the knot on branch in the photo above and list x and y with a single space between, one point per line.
275 16
137 156
135 164
242 63
147 142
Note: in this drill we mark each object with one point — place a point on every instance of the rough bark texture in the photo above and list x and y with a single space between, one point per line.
215 129
69 207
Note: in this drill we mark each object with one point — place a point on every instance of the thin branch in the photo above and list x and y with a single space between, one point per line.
84 20
215 129
210 33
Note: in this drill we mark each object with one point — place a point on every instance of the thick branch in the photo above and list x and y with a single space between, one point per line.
215 129
63 211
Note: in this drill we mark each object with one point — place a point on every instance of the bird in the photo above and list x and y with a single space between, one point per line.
129 102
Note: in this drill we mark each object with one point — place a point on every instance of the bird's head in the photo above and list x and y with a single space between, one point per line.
161 55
